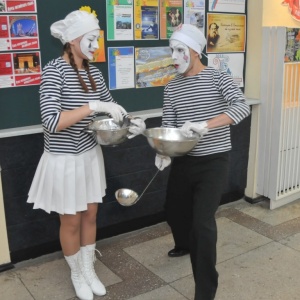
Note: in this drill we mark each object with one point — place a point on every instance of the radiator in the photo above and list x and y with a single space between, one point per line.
278 175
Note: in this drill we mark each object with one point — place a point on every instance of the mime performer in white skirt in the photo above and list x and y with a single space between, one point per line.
70 177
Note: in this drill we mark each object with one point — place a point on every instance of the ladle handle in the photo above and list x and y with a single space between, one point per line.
147 185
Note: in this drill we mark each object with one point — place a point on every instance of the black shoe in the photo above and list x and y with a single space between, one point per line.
177 252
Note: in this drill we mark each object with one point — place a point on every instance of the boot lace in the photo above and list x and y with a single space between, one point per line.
88 269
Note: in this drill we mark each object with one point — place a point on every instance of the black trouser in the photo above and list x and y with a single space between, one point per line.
194 191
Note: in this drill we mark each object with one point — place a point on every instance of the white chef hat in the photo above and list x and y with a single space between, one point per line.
191 36
74 25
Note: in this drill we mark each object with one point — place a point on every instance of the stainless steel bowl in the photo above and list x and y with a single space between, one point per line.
108 132
170 141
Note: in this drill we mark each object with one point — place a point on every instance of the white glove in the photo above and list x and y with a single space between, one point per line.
161 161
137 128
188 128
114 109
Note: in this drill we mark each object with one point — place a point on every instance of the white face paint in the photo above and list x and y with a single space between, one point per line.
89 43
180 55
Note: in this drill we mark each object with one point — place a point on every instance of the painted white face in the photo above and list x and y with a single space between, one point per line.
180 55
89 43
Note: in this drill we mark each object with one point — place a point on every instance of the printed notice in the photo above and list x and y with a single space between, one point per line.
17 6
232 64
119 15
226 33
146 16
18 32
121 67
171 15
234 6
20 69
194 13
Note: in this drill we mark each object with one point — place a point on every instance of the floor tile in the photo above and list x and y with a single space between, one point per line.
234 239
153 255
163 293
12 288
261 211
53 279
292 241
185 286
268 272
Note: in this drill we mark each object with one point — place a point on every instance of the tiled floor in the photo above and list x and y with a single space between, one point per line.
258 259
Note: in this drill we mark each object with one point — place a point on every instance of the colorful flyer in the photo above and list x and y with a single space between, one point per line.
146 19
231 6
17 6
23 32
171 15
18 32
20 69
119 16
292 49
226 33
153 66
121 67
194 13
232 64
294 8
99 54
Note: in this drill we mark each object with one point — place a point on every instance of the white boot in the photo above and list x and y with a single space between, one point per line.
83 291
88 271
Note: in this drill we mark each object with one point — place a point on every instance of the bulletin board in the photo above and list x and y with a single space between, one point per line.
19 106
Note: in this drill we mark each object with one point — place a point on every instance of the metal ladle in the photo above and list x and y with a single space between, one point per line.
127 197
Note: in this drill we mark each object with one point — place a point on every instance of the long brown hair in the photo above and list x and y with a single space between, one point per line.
67 49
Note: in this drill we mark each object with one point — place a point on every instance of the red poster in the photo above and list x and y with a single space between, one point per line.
24 44
15 6
24 32
6 67
4 30
29 79
20 69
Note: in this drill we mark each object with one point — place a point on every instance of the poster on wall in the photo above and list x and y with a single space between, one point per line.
153 66
292 50
294 8
121 67
171 15
232 64
18 32
17 6
20 69
99 54
226 33
146 20
234 6
194 13
119 16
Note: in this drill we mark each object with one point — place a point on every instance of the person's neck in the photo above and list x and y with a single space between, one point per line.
196 69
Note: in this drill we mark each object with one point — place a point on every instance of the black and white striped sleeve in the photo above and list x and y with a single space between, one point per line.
237 109
50 94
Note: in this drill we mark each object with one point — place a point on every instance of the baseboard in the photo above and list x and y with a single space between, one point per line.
6 267
255 200
102 233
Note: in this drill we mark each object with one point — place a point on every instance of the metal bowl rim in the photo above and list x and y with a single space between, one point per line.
106 130
193 138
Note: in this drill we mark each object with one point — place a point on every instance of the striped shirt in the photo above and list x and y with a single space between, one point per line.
202 97
60 90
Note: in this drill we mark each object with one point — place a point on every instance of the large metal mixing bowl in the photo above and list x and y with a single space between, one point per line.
170 141
108 132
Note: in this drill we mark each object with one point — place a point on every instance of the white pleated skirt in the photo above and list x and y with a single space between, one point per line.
67 183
